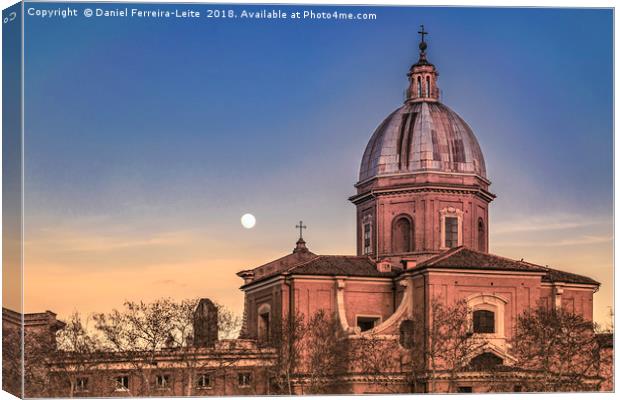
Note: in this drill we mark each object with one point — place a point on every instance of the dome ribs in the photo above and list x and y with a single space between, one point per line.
405 138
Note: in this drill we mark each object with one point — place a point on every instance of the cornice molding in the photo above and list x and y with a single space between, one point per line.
433 188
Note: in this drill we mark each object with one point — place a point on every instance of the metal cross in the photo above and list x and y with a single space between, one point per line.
422 33
301 226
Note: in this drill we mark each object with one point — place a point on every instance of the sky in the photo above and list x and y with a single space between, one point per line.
147 139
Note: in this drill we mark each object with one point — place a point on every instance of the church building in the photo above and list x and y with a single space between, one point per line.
422 208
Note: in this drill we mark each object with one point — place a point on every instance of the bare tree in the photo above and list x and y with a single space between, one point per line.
12 360
452 331
561 346
326 349
229 323
288 336
139 332
379 359
74 358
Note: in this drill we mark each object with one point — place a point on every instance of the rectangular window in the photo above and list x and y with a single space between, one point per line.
452 232
367 243
465 389
162 381
81 385
122 382
367 323
204 381
245 379
484 321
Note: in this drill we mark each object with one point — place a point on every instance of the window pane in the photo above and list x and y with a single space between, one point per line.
122 382
204 381
452 232
244 379
366 239
367 323
484 321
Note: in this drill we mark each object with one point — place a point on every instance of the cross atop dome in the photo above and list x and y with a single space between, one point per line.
422 46
422 33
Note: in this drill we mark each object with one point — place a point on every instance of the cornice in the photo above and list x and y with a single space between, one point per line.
429 188
431 172
467 271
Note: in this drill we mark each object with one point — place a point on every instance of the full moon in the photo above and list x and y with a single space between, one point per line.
248 221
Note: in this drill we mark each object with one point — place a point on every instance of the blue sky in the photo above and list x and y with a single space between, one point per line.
138 131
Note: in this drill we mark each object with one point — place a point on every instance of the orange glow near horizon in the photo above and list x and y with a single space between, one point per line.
98 269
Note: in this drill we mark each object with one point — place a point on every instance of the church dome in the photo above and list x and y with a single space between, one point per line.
422 136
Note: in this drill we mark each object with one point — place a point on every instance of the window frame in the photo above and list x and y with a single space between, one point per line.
165 381
376 318
209 376
245 384
367 235
489 302
483 325
451 227
119 385
450 212
81 388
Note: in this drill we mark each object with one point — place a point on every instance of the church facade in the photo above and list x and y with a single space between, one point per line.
422 231
422 208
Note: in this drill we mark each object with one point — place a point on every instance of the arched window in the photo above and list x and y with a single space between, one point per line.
481 235
406 334
484 321
419 87
485 361
401 235
428 86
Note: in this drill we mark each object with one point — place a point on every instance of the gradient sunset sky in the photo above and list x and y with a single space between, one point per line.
146 140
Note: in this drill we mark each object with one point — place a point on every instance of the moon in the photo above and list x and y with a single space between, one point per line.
248 221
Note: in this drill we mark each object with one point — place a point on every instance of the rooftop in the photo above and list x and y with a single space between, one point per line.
465 258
